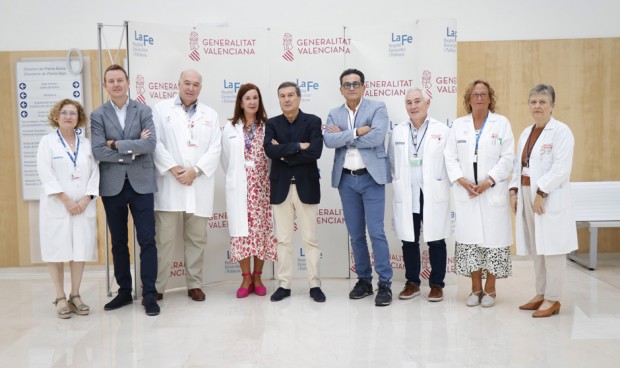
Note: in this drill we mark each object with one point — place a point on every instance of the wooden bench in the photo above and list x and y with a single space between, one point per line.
597 205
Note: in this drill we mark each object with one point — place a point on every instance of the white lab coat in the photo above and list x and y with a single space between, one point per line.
65 237
233 163
173 135
436 187
550 167
485 219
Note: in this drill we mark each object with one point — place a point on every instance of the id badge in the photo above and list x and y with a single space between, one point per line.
192 143
415 161
249 163
525 171
75 175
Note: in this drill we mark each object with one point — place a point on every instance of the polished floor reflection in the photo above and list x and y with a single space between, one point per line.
225 331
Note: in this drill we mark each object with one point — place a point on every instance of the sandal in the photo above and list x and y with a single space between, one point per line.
62 312
488 300
259 290
474 298
81 309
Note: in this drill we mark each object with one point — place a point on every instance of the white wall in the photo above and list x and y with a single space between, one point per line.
63 24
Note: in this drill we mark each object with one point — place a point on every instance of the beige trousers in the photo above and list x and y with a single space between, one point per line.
170 228
550 269
284 218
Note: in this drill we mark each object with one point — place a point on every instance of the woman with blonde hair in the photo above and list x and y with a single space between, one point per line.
69 184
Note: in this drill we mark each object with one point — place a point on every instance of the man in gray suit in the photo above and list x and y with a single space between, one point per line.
123 140
361 169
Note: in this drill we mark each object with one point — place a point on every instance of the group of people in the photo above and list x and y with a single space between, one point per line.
161 163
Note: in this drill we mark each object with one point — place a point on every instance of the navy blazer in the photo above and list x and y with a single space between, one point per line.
288 161
134 157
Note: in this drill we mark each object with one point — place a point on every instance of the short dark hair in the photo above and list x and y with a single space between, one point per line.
353 71
114 67
290 84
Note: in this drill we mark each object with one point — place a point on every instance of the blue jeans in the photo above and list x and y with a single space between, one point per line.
436 252
363 203
141 206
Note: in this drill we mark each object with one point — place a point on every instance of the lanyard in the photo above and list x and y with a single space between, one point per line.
73 157
415 138
190 125
248 139
480 134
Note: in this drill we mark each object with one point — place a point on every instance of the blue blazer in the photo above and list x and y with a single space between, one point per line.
371 146
115 165
288 161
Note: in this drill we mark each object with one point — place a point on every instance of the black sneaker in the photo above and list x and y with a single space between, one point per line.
361 290
384 296
317 294
150 304
120 300
280 294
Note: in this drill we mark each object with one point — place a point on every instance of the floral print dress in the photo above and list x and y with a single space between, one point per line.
260 242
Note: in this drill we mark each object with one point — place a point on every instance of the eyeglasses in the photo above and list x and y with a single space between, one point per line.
479 95
71 114
348 85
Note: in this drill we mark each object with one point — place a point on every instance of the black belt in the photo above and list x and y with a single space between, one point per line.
292 180
355 172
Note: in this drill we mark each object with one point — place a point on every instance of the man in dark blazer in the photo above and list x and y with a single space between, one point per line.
123 140
356 129
294 142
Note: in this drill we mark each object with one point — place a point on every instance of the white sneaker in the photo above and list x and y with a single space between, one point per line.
488 300
473 299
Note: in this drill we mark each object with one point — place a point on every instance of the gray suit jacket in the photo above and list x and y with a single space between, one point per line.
134 158
371 146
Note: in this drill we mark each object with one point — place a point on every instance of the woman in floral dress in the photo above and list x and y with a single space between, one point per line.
243 158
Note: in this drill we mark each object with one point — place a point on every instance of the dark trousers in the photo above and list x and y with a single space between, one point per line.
411 254
116 210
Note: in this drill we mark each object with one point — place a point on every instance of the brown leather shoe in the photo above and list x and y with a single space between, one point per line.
531 305
553 309
196 294
159 296
410 291
436 294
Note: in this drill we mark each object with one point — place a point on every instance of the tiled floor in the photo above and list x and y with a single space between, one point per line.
227 332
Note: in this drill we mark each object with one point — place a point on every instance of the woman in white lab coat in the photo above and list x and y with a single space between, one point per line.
540 195
479 159
246 166
69 184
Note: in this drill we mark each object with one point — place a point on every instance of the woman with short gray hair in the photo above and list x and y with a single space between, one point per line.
540 196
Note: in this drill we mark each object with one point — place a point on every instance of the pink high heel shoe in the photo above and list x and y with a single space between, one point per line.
260 290
244 292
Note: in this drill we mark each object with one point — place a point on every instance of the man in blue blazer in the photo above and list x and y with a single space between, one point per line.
123 140
361 169
294 142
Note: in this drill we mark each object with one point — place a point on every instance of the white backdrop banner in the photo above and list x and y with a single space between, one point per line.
393 58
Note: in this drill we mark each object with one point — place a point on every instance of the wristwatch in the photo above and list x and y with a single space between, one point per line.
198 172
541 193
